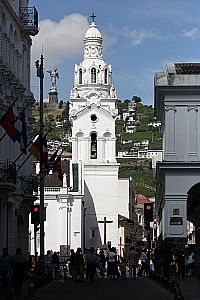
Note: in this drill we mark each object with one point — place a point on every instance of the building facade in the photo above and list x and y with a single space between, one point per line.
18 22
177 105
93 113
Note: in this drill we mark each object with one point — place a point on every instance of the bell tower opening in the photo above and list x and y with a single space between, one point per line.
93 154
93 75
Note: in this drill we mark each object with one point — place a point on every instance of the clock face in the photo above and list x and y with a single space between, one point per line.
93 51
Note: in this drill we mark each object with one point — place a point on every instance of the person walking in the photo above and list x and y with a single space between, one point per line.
72 264
91 263
167 258
122 267
6 273
18 264
132 258
55 265
79 265
48 264
112 262
144 260
102 263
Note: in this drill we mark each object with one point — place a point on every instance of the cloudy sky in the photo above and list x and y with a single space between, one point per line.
139 38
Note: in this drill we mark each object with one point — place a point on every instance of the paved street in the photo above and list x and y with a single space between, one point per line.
142 289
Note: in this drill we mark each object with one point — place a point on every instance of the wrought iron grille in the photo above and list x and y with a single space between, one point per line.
28 17
8 172
29 184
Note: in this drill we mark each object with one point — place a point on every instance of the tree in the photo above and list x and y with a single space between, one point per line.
136 99
60 105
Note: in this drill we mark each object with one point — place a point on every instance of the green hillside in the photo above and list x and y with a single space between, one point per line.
139 169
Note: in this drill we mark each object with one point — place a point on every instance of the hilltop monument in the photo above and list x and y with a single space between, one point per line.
53 94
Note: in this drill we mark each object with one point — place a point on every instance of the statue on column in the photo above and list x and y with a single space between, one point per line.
54 74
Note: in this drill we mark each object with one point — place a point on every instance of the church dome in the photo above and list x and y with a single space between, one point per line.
93 32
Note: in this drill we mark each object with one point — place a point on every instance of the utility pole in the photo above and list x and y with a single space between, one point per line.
40 74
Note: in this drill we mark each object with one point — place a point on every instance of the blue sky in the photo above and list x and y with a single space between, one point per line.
139 38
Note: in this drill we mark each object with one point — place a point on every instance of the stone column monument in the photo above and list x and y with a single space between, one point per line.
53 95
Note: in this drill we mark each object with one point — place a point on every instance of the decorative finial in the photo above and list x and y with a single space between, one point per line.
93 17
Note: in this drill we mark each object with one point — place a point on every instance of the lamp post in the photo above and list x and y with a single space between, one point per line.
40 74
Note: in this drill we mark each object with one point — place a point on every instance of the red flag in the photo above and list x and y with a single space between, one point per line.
8 123
57 167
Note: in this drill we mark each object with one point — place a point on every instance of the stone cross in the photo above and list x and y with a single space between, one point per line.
93 17
105 222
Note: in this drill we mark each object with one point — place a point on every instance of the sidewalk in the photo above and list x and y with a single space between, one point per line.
190 287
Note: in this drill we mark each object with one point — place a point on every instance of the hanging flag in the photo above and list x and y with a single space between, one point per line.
34 148
45 152
8 123
57 167
52 160
23 142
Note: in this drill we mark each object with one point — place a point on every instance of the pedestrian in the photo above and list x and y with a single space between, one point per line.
91 263
48 264
18 264
166 255
79 265
122 267
132 258
40 269
102 263
55 265
144 261
112 262
6 273
157 261
72 263
181 264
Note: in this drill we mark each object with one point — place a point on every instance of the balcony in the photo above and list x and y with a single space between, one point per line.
7 176
29 18
29 184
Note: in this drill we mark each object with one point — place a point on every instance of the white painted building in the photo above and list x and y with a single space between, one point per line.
177 105
93 113
73 218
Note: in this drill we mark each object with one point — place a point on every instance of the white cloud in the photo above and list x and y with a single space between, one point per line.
193 34
62 40
59 40
136 37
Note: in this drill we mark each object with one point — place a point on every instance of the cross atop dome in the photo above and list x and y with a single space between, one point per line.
93 17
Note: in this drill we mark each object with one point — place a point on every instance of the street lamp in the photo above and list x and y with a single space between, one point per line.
40 74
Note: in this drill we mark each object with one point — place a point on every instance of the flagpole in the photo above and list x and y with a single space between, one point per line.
40 74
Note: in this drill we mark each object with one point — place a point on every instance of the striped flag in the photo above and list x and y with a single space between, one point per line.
35 150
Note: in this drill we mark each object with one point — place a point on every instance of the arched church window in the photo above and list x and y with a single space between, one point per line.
93 75
80 76
93 153
106 76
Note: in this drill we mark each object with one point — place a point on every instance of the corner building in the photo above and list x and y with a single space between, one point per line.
18 22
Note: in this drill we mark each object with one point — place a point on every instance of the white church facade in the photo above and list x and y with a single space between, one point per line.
93 217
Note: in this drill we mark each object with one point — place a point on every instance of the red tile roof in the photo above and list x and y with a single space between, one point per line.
140 199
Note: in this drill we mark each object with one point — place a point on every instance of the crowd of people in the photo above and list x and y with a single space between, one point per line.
164 261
